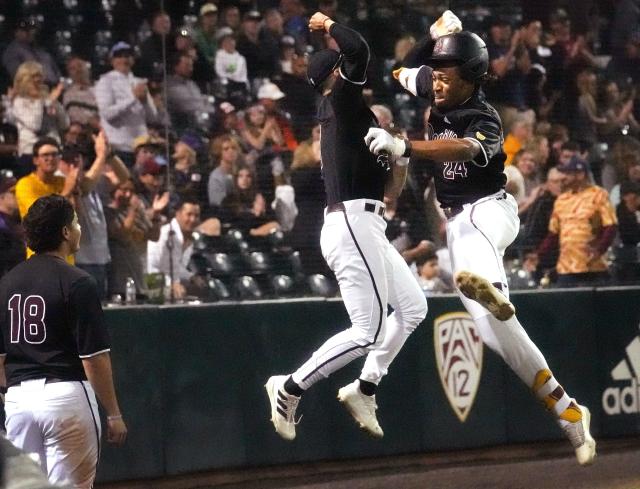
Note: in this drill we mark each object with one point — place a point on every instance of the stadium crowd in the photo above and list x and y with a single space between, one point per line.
186 139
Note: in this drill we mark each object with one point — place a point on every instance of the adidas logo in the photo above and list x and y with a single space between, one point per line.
625 400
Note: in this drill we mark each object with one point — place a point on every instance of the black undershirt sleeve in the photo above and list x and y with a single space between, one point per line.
355 51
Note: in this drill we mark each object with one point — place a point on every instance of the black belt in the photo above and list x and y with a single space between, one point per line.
368 207
450 212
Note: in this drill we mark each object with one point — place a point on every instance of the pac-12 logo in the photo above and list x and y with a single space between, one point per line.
624 397
459 351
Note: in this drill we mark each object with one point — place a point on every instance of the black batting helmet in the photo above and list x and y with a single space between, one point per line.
466 50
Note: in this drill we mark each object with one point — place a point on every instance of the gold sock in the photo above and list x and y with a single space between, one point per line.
548 390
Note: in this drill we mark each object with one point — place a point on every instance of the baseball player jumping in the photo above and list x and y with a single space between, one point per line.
54 351
465 148
370 272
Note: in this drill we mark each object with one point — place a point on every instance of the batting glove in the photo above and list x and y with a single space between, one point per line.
380 140
448 23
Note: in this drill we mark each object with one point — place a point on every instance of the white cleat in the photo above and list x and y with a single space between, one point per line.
486 294
580 437
362 408
283 407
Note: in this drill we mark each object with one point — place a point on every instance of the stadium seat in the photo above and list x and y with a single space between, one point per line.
283 286
220 264
258 261
247 288
199 264
320 286
218 291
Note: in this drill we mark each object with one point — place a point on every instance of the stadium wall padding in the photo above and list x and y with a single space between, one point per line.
190 382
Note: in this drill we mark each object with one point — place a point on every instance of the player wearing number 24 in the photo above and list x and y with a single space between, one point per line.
465 152
55 352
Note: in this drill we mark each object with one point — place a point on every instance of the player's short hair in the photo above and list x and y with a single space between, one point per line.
44 222
43 142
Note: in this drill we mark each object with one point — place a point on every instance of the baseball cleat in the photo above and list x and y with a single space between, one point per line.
283 407
362 408
580 437
486 294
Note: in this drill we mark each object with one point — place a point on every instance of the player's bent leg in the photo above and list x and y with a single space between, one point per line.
72 435
479 289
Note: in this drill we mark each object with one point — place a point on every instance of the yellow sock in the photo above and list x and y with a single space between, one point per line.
554 397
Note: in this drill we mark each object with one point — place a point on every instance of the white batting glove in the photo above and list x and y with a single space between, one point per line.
448 23
380 140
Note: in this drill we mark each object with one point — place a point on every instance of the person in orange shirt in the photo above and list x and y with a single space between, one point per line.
583 224
520 134
43 181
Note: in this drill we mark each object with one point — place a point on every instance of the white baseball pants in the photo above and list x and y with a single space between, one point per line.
59 422
477 239
371 274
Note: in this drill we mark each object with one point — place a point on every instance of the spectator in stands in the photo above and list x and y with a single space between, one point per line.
301 99
583 224
74 135
627 65
231 18
149 181
539 146
287 54
205 33
227 121
150 64
124 103
624 152
202 72
146 147
230 64
23 48
225 153
269 95
188 177
271 35
79 98
429 275
171 253
519 135
536 220
44 181
306 179
11 233
295 22
93 257
628 213
617 109
249 46
246 209
129 228
186 103
632 175
586 122
526 164
36 111
8 137
558 136
261 133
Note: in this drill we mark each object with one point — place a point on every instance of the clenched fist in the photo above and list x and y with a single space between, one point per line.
448 23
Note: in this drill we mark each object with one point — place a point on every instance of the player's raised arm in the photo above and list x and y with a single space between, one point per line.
353 48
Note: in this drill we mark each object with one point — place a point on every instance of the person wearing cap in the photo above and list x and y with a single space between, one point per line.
260 63
186 104
230 64
205 32
124 103
146 147
188 177
11 232
583 225
93 256
24 48
202 72
269 96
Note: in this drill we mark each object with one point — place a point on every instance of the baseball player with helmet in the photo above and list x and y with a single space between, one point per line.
54 351
370 272
466 154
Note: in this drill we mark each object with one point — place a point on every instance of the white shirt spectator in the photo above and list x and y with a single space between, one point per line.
122 115
232 66
34 122
158 253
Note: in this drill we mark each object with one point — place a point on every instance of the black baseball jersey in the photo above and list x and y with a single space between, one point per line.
50 318
349 169
462 182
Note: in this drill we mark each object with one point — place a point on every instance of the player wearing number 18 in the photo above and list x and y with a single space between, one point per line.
54 351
